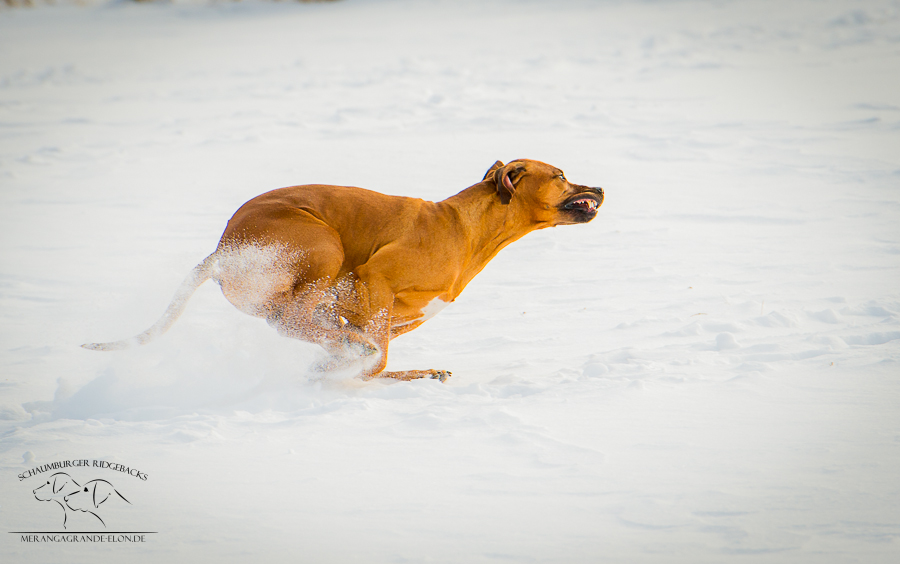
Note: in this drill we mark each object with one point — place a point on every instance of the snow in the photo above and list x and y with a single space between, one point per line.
708 372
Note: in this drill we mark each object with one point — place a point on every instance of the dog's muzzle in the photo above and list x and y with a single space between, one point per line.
583 206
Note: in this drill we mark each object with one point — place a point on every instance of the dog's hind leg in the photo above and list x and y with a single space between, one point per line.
293 283
314 316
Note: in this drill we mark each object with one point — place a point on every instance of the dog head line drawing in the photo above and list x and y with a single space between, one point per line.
55 489
63 490
91 496
350 269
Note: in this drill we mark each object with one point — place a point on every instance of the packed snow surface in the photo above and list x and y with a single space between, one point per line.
708 372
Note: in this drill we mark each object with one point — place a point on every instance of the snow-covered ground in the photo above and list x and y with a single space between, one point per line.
708 372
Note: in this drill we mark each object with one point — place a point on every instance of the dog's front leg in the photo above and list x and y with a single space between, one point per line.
375 291
379 330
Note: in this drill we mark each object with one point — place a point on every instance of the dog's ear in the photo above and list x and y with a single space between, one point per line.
492 170
102 491
506 178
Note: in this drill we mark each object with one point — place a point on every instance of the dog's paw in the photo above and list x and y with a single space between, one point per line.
441 375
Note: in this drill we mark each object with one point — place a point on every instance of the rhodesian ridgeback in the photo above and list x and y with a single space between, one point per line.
350 269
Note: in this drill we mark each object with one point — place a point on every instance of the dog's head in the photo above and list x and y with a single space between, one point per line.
92 495
58 485
544 192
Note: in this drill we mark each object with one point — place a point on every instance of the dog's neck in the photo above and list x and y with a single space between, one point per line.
487 224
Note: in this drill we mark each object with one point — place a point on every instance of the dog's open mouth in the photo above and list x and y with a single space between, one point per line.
582 207
583 204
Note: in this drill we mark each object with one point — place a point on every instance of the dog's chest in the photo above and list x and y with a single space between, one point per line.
406 313
432 308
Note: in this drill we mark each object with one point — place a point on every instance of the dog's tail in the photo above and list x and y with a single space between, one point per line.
200 274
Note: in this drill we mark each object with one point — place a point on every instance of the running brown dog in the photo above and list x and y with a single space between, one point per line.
350 269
